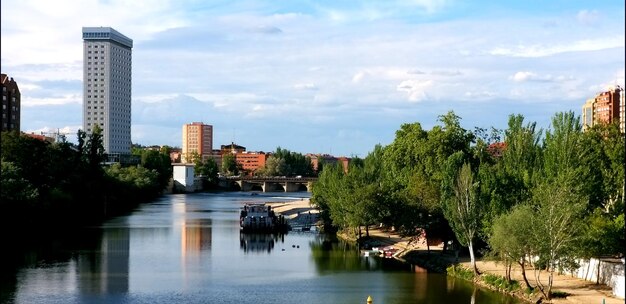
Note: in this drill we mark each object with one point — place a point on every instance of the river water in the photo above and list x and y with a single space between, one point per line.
187 248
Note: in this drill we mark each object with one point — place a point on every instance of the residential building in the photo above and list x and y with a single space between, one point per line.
251 161
107 77
606 107
621 111
197 138
325 159
11 104
587 118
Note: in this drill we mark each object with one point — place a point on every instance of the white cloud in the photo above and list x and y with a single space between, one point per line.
542 50
57 100
588 17
480 94
305 86
69 131
415 89
358 77
523 76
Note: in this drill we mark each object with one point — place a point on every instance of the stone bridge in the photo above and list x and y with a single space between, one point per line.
268 184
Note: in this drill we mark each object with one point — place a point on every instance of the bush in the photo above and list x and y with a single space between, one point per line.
460 272
500 283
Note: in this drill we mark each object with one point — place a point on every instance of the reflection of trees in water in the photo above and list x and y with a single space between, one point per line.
259 242
43 249
331 255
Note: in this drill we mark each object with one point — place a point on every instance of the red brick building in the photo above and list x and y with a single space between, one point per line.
11 104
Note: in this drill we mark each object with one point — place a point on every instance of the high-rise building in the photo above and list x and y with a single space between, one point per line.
11 100
197 138
621 111
606 107
107 74
587 118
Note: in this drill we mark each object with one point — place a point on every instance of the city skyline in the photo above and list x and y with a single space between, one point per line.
318 77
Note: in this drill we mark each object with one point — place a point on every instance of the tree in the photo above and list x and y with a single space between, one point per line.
560 198
94 150
208 170
460 202
557 228
509 239
229 164
16 192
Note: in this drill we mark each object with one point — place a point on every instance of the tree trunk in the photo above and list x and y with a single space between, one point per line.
550 281
539 284
523 265
508 271
598 273
472 258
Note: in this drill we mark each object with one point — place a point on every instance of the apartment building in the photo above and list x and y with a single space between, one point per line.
11 104
606 107
107 77
197 138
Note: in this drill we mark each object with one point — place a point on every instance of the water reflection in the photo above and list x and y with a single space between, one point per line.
186 249
195 236
104 270
259 242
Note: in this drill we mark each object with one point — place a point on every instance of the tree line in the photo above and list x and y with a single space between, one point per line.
64 184
515 193
281 162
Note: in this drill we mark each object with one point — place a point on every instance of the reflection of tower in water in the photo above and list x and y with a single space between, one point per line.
259 242
196 236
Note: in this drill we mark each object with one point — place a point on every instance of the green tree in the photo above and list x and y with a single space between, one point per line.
229 164
557 228
16 191
509 239
94 150
461 206
208 170
160 162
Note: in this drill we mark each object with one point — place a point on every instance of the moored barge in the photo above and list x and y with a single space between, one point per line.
259 217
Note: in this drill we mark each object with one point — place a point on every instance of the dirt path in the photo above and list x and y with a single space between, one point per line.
580 291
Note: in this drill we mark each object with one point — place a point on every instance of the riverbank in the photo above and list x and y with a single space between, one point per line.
577 291
298 213
413 251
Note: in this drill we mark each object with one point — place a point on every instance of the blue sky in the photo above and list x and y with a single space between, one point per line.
332 77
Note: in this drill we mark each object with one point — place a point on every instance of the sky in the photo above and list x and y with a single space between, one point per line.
335 77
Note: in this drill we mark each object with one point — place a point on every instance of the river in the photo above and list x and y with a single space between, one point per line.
187 248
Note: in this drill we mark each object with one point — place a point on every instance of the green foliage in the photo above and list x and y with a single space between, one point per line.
15 190
208 170
604 234
286 163
62 185
510 235
229 165
461 272
500 283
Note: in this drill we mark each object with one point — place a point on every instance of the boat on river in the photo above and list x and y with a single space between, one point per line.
259 217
